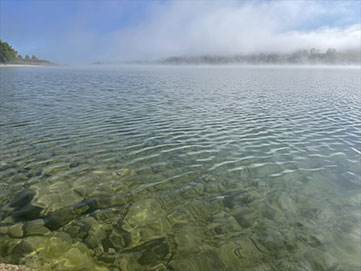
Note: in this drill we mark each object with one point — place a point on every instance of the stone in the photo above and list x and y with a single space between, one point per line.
74 164
19 178
107 258
11 267
207 260
73 231
98 251
189 242
124 239
63 216
83 190
16 231
98 171
4 166
3 230
9 220
108 216
156 250
246 217
55 196
210 178
92 242
121 173
76 257
35 227
27 212
241 198
22 198
145 221
24 247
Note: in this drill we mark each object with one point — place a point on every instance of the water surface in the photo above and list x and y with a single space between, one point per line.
180 168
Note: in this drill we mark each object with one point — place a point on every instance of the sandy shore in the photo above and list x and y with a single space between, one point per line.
20 65
10 267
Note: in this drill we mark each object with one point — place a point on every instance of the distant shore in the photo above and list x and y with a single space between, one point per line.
21 65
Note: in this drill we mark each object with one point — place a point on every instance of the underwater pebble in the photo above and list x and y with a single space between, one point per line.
16 231
11 267
22 198
35 227
96 237
19 178
98 171
22 248
3 230
121 172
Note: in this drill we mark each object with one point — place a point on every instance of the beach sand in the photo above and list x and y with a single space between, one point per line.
19 65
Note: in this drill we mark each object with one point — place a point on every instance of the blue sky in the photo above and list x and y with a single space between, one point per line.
83 31
33 23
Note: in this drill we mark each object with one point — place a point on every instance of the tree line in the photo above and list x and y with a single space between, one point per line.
312 56
8 55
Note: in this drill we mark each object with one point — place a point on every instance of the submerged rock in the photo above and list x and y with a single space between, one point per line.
19 178
96 237
35 227
63 216
23 248
59 253
20 207
16 231
145 221
237 198
55 196
22 198
207 260
27 212
149 254
121 173
3 230
157 250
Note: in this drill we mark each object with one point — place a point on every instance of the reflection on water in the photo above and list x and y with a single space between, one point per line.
164 168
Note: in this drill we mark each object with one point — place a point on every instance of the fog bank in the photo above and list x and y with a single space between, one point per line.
199 28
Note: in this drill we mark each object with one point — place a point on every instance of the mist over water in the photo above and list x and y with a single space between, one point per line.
114 31
180 168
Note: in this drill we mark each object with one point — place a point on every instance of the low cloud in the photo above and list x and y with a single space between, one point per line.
192 28
180 28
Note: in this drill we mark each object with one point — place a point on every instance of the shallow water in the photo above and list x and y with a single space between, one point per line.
180 168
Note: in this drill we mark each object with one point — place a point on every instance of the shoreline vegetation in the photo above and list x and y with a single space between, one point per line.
9 57
301 57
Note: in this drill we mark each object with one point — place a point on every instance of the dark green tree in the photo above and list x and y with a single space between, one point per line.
7 53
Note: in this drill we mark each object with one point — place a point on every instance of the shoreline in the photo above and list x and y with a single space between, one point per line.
21 65
13 267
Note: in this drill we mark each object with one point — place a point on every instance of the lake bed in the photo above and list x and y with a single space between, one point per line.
180 168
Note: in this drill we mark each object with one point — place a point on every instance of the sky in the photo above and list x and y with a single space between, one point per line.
84 31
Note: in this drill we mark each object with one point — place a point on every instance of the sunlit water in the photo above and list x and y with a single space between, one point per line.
180 168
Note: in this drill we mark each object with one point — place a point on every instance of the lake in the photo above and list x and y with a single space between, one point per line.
180 168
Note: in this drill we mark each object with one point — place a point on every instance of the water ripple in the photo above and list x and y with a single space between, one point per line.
181 168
